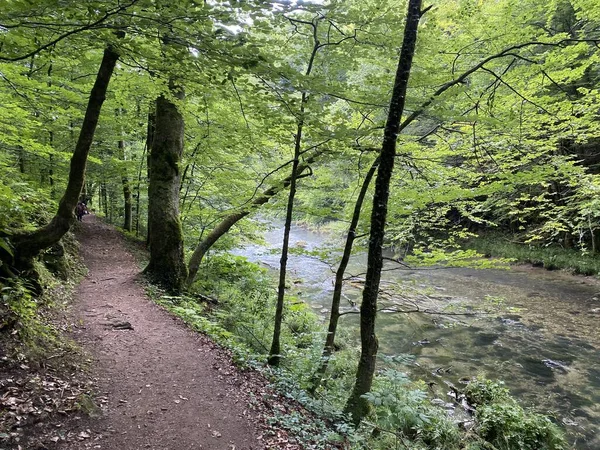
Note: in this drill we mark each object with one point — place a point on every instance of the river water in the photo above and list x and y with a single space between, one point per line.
538 331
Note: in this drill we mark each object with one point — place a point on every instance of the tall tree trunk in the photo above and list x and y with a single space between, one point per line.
111 202
28 245
51 143
339 279
89 190
104 198
127 204
358 406
51 176
225 225
149 142
275 351
167 264
126 189
138 191
21 160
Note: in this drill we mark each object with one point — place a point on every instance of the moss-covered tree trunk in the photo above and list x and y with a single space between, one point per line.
28 245
358 406
167 264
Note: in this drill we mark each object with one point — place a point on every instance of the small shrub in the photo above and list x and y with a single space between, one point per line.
403 412
508 426
502 422
481 391
222 271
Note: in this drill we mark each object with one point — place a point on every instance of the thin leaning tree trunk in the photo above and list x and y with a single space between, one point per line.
225 225
357 406
275 351
29 245
339 279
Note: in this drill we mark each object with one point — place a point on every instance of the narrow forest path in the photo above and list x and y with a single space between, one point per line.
161 386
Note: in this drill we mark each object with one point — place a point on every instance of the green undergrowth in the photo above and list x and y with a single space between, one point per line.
503 423
43 372
236 308
29 307
550 257
29 328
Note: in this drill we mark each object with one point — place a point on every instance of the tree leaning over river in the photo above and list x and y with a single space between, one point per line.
231 219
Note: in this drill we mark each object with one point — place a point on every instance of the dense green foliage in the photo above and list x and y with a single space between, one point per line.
500 131
505 424
514 144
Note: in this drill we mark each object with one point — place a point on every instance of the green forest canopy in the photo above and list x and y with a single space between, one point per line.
513 144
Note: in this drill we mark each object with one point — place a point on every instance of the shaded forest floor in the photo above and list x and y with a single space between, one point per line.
157 385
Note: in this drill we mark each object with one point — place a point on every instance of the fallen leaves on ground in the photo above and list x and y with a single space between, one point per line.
30 397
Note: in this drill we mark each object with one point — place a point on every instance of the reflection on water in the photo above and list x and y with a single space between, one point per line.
541 337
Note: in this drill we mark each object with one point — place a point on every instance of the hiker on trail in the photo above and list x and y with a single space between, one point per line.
80 211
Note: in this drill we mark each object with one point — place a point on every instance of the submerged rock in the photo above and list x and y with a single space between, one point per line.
443 404
569 422
555 365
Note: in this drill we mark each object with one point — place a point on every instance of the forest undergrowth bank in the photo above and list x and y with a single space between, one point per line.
550 257
44 380
233 302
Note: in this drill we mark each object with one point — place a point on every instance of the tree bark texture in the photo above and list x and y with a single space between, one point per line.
127 203
149 142
275 351
29 245
225 225
339 278
167 265
357 405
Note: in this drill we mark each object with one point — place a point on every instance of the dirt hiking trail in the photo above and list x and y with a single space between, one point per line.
161 386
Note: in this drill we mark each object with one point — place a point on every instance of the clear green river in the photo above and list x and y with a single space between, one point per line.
538 331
